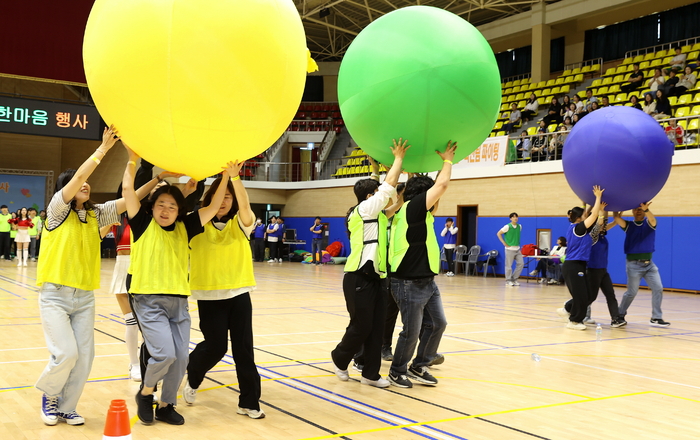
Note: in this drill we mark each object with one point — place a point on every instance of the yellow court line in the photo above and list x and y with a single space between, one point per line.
454 419
677 397
578 355
515 385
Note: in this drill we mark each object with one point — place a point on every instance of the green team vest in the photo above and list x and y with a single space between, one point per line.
4 226
398 245
160 261
357 242
512 237
33 230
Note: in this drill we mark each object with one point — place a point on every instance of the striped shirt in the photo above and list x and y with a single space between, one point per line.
57 212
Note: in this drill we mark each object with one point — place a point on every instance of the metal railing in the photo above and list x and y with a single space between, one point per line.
590 62
665 46
516 77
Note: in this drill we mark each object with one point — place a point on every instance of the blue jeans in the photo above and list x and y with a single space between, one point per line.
316 247
637 270
68 319
423 318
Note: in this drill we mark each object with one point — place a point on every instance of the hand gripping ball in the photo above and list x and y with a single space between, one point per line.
423 74
623 150
191 85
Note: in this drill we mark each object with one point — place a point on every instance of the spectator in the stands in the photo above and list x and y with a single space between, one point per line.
553 115
568 123
531 108
575 119
514 118
539 142
634 101
671 82
523 146
570 112
675 132
579 104
565 103
556 144
687 82
636 79
649 106
663 107
677 62
605 101
590 99
654 82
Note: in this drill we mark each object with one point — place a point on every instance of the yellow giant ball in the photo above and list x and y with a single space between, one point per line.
191 85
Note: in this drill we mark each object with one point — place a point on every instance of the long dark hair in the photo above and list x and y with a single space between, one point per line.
562 240
575 213
175 193
210 194
63 180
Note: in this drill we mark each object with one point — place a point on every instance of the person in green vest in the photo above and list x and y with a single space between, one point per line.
414 256
5 229
13 236
509 235
364 269
33 232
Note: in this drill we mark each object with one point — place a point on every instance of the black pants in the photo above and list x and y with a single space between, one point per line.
449 256
527 114
392 312
630 87
366 303
259 249
5 244
600 279
274 246
218 319
574 272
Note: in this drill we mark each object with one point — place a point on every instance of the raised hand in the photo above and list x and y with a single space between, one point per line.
645 206
110 136
449 153
233 168
597 191
399 148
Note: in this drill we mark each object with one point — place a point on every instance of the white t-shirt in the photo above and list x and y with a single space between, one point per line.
509 248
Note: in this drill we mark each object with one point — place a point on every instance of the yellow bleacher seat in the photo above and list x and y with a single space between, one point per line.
578 78
621 69
660 54
644 65
578 70
649 56
685 99
559 80
565 89
696 46
566 72
697 97
541 84
516 82
501 133
693 125
521 104
682 112
504 99
519 96
607 80
695 111
618 79
525 81
492 134
683 123
551 128
601 91
666 60
610 71
638 58
615 88
627 61
532 131
672 100
620 97
656 62
508 91
516 89
509 84
364 169
582 94
537 93
596 82
685 49
556 90
546 92
540 101
498 125
550 83
595 68
693 55
547 100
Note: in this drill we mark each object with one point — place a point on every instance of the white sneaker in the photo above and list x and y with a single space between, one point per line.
509 284
533 273
576 325
553 281
342 374
541 281
189 393
19 262
589 321
24 264
379 383
563 313
515 283
252 413
135 372
271 260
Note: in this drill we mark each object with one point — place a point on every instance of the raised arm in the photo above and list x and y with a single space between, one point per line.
443 179
131 201
390 211
650 217
399 150
617 218
206 213
588 221
109 138
245 212
374 166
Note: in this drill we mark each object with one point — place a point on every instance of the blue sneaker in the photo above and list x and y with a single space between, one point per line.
72 418
49 410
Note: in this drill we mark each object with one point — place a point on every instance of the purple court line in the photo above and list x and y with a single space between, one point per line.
321 311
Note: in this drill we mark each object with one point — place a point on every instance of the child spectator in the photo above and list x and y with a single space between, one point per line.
675 132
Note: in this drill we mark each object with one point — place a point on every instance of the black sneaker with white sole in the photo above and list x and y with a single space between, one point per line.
421 374
357 366
400 381
168 415
659 323
617 323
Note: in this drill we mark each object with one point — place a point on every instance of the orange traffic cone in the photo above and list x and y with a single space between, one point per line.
117 425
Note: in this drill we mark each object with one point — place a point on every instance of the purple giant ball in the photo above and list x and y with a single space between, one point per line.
623 150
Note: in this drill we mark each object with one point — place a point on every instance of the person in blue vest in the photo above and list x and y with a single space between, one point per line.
414 256
281 230
640 236
364 270
578 253
259 240
316 240
273 238
450 234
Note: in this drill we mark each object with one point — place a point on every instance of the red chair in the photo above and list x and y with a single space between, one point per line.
335 107
302 126
335 115
338 129
310 126
323 115
314 115
326 107
301 115
308 107
318 108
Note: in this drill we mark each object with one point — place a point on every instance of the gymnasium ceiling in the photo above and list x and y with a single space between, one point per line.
329 36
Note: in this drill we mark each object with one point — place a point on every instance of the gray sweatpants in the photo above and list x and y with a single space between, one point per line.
165 325
519 264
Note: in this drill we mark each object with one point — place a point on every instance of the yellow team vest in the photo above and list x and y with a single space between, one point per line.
159 260
70 254
221 259
398 245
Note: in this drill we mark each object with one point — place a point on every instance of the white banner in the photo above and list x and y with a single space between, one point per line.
491 153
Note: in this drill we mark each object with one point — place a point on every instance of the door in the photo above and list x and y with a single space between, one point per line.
467 219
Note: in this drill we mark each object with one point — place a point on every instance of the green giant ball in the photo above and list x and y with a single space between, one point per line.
422 74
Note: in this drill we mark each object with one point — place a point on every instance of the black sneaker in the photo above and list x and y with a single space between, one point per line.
144 409
386 354
421 375
437 360
168 415
400 381
357 367
617 323
659 323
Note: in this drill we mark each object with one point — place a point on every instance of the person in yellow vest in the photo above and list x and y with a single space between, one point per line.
158 285
67 274
221 279
414 256
33 233
364 269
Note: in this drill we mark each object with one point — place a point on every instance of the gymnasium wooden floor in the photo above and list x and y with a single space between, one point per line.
640 382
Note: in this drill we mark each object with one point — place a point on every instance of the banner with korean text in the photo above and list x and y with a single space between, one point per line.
491 153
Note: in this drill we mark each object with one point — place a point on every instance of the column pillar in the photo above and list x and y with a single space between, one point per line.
541 36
